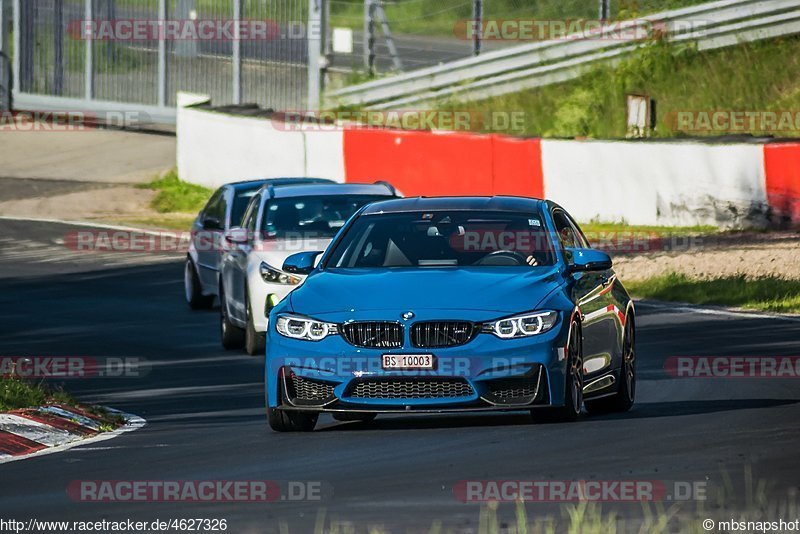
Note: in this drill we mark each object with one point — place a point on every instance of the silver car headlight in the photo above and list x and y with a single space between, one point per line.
529 324
297 327
274 276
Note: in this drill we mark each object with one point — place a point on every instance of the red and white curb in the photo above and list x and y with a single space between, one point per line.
48 429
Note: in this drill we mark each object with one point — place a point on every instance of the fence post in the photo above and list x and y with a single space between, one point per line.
477 26
237 52
604 10
3 27
369 36
88 74
15 60
58 48
314 54
162 54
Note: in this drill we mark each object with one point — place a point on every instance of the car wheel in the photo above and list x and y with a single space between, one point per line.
232 336
254 342
287 421
192 289
361 417
623 399
573 388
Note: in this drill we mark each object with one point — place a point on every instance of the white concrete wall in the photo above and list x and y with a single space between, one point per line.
215 148
677 183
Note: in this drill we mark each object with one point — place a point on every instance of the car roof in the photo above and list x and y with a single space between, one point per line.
282 182
307 190
498 203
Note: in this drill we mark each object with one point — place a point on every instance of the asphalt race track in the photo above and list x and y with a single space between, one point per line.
206 421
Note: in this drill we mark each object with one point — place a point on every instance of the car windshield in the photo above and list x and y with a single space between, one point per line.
439 239
318 216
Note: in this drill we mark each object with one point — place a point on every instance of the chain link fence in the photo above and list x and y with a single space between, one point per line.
142 52
431 32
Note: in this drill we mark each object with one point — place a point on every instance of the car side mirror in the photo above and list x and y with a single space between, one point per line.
212 223
237 236
588 259
301 263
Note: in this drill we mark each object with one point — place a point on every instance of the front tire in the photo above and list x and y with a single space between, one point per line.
573 388
254 342
623 399
192 290
232 336
287 421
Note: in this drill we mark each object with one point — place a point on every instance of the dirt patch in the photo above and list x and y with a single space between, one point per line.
751 254
93 204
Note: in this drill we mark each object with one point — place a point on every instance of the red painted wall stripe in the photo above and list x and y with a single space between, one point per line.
782 170
439 164
17 445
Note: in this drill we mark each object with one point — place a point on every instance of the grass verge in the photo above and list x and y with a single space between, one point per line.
594 105
594 228
18 393
767 293
175 195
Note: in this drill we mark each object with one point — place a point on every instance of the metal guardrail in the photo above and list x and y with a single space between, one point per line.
6 83
712 25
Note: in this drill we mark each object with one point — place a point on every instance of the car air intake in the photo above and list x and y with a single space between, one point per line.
438 334
310 391
383 335
400 388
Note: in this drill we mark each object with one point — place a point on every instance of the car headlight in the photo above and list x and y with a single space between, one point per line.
272 275
304 328
529 324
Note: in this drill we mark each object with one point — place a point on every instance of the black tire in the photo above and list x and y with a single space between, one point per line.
232 336
361 417
254 342
623 399
287 421
192 290
573 389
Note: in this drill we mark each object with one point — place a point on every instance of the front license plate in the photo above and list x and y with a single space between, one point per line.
407 361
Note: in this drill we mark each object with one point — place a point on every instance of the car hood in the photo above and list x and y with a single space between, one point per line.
494 289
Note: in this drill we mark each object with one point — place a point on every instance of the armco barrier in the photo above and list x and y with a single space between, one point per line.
782 164
652 183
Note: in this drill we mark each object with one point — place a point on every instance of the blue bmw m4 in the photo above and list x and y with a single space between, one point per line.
453 304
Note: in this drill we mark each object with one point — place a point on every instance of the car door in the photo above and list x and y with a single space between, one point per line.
207 240
590 291
236 258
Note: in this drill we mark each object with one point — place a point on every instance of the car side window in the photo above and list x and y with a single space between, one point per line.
250 216
211 206
567 235
579 236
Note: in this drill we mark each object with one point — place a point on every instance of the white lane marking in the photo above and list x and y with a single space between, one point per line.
82 224
36 431
685 307
134 422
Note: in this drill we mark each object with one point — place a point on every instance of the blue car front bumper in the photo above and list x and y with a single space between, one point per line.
486 373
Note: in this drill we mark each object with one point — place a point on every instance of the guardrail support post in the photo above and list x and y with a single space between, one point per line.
369 36
3 27
604 12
